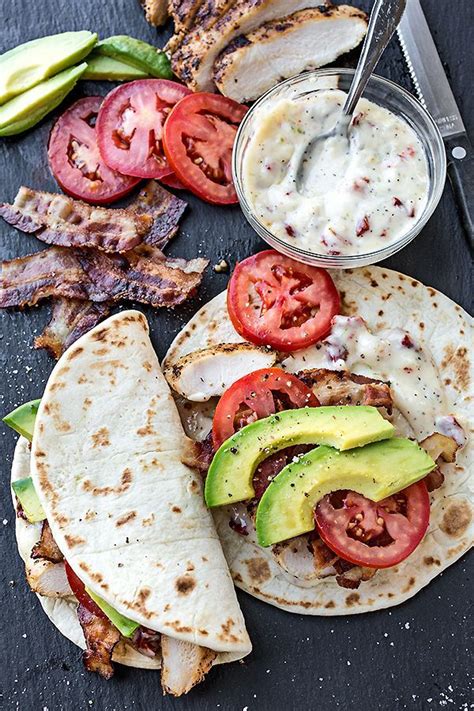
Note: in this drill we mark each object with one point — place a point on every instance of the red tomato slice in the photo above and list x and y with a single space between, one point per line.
79 590
255 396
198 140
274 300
172 181
130 126
375 535
74 157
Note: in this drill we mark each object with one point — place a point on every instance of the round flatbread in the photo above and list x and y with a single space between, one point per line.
386 300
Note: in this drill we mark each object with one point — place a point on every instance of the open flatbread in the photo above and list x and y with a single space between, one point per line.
107 462
390 304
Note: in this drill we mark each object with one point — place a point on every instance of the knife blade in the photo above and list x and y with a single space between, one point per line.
435 94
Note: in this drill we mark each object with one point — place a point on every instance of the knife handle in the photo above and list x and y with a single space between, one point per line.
461 175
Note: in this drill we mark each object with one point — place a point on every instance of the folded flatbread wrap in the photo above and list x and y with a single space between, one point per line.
125 511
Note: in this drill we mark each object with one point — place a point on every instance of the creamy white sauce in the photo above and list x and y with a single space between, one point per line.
393 356
358 197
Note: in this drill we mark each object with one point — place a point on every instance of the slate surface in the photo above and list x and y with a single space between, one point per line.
413 657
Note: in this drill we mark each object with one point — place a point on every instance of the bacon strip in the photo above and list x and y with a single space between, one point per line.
338 387
54 272
143 274
70 319
59 220
166 210
101 637
47 547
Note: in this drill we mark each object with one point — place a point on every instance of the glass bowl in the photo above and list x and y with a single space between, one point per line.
381 91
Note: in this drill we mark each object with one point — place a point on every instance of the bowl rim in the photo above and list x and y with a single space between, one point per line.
376 255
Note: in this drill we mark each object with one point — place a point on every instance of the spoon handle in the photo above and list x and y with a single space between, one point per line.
384 19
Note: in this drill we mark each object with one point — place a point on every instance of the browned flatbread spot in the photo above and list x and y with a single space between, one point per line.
139 603
238 578
259 570
125 481
100 335
456 519
126 518
185 584
227 634
178 627
458 360
74 352
329 605
148 366
429 560
352 599
175 509
409 585
101 438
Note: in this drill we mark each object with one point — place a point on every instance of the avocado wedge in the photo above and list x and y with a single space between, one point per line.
27 109
137 53
22 420
230 475
26 494
102 68
125 626
29 64
376 471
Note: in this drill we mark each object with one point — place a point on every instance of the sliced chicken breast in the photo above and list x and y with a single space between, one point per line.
253 63
195 15
183 665
207 373
156 11
193 61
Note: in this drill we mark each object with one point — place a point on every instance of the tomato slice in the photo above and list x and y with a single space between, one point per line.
130 126
79 590
74 157
274 300
255 396
172 181
375 535
198 141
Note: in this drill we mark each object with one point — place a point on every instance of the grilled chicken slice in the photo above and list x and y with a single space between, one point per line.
183 665
208 373
195 15
46 578
156 11
194 59
253 63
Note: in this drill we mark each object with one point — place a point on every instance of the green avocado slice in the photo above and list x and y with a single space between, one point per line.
230 475
27 109
137 53
29 64
376 471
26 494
102 68
22 419
125 626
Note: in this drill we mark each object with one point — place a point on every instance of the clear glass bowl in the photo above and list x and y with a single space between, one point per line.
381 91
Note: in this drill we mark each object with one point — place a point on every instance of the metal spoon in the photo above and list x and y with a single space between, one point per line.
384 19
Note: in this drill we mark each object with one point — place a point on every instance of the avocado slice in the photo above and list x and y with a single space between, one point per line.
29 64
137 53
102 68
230 475
125 626
376 471
28 498
27 109
22 419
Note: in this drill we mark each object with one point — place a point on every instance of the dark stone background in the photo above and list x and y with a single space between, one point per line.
413 657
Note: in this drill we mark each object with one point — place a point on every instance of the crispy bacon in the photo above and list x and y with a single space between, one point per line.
47 547
53 272
434 479
166 210
147 642
62 221
143 274
338 387
101 637
70 319
351 576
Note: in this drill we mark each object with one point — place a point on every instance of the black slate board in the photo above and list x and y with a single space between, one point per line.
413 657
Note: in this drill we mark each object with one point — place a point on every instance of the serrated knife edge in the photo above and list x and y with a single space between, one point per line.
411 70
